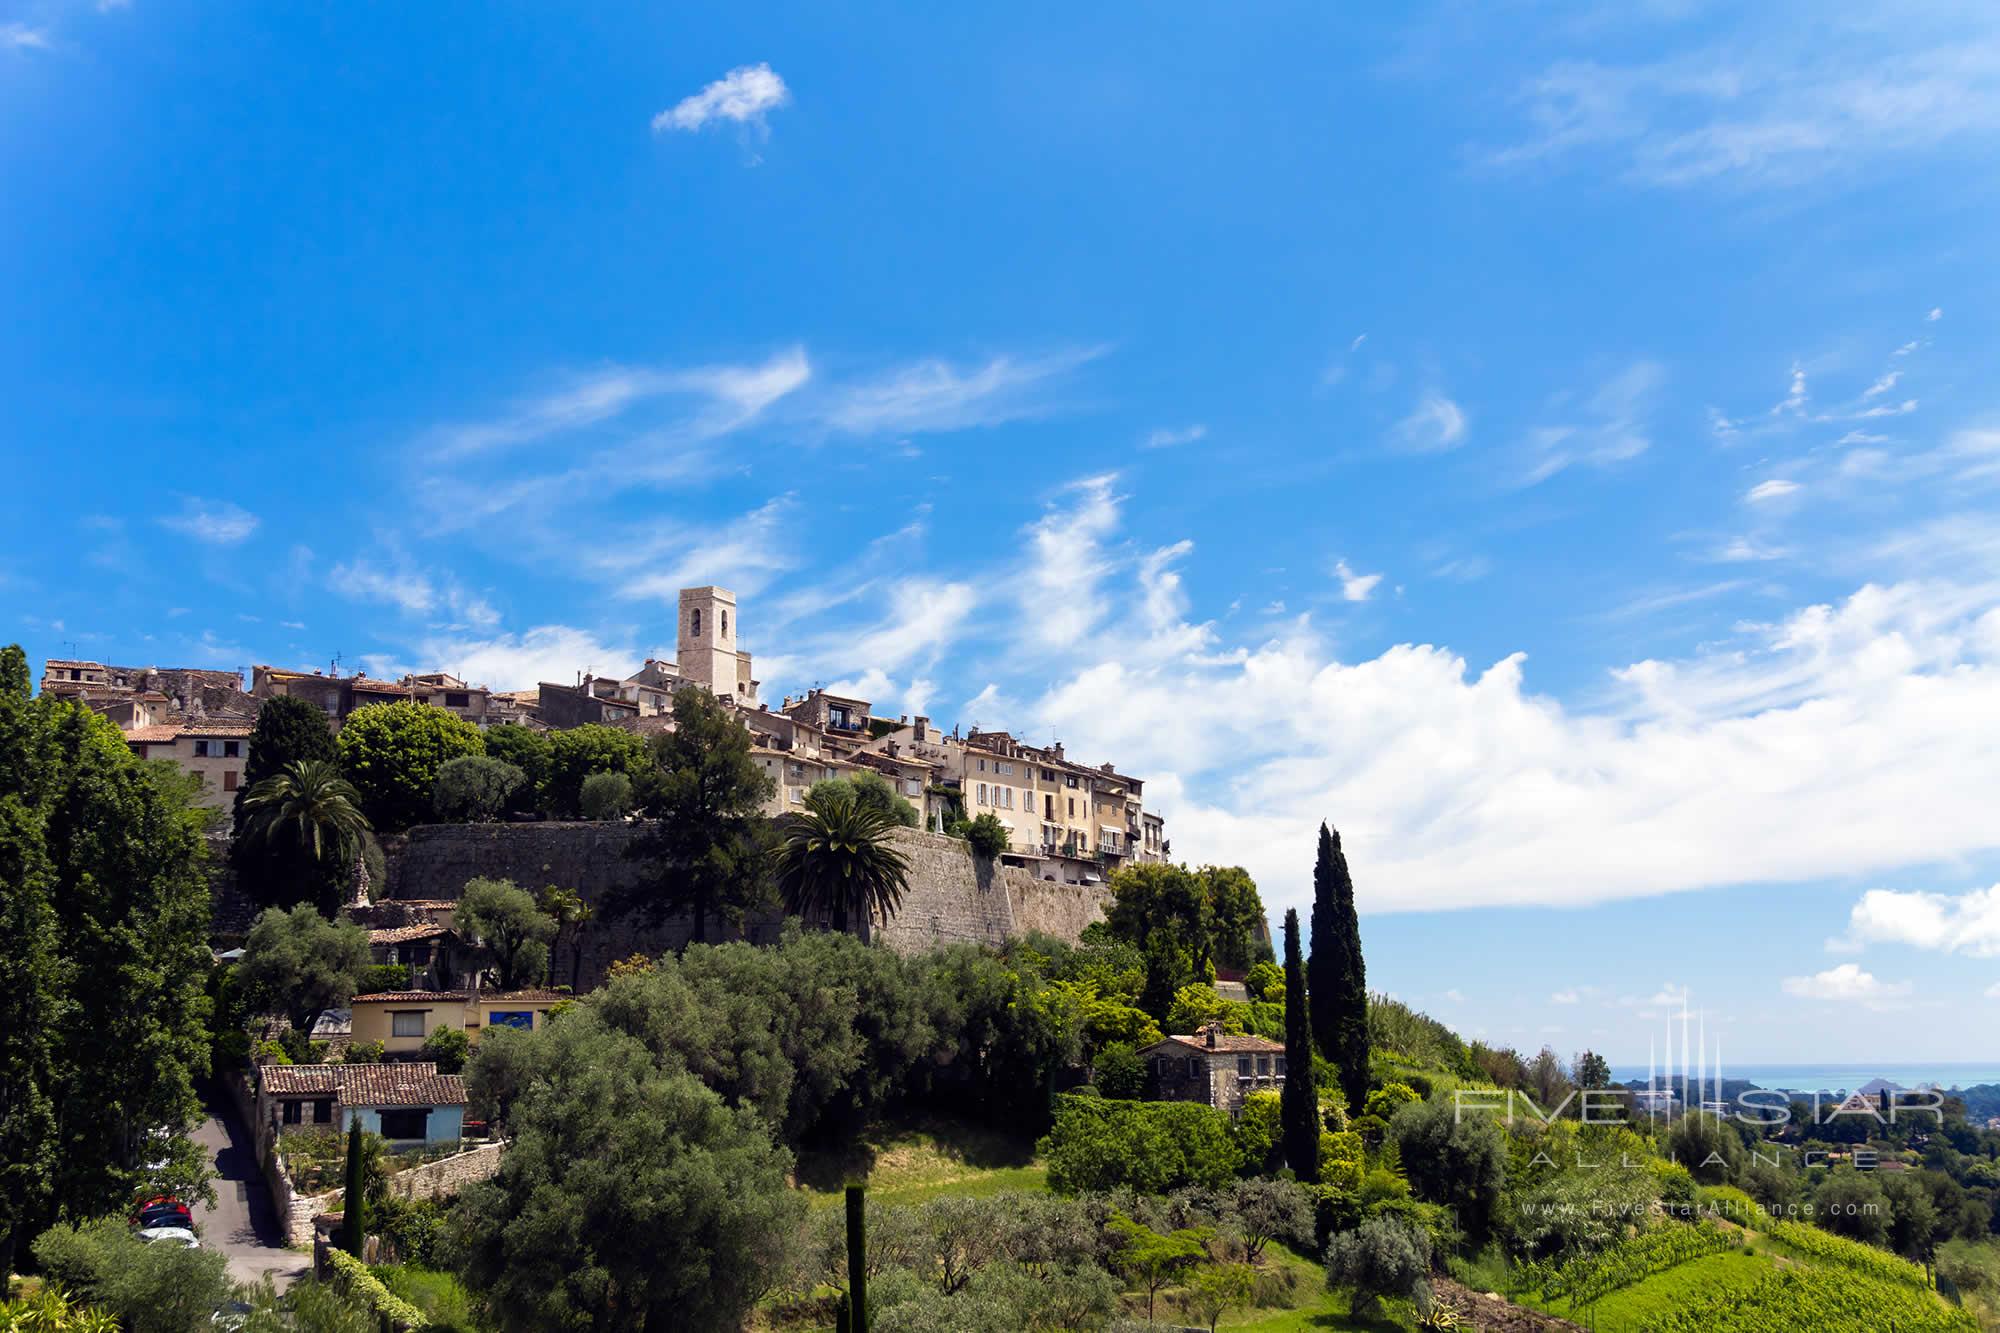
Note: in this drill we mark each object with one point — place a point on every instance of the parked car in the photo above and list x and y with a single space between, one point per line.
162 1210
181 1236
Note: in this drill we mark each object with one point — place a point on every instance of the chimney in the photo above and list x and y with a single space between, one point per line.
1210 1031
923 726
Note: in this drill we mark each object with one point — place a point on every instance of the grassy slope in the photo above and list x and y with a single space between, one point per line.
924 1159
1629 1308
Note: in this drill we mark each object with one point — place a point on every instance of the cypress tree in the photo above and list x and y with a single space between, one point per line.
1298 1109
857 1258
354 1207
1337 979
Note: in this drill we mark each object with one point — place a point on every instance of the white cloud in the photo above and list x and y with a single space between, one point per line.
554 653
1743 550
1777 488
743 555
1166 439
1565 997
1455 995
1849 738
1060 602
1882 385
416 593
1354 587
735 394
21 37
1993 991
745 95
1437 424
937 396
217 522
1936 314
1610 428
1847 984
1967 924
1792 114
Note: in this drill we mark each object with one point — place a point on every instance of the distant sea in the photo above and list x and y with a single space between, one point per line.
1843 1078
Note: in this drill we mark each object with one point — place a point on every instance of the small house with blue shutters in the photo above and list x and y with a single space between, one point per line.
406 1102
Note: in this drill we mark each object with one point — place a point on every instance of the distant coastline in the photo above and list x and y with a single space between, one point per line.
1845 1077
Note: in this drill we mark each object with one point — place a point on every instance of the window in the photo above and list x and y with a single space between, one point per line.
725 624
1072 807
1243 1066
292 1112
406 1122
408 1023
74 674
456 699
1048 775
1281 1066
229 780
232 749
982 793
1193 1067
201 749
322 1113
982 766
1263 1066
1005 769
694 623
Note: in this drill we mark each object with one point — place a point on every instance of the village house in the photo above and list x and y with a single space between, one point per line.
432 951
338 696
212 751
441 689
1214 1067
405 1103
403 1020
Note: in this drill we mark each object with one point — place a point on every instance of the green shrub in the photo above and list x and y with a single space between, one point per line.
364 1053
1099 1144
151 1288
448 1048
474 789
443 1299
415 1229
1384 1256
1119 1072
378 977
353 1277
987 835
605 796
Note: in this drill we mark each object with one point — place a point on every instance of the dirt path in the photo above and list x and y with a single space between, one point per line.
1482 1311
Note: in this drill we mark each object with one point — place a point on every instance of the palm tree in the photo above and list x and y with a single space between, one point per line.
837 860
310 806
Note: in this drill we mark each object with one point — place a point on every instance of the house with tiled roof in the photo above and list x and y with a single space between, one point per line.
404 1102
212 751
1214 1067
403 1020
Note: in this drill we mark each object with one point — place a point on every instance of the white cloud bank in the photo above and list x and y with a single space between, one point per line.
1967 924
1857 737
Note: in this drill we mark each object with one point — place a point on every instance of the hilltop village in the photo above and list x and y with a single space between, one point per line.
1067 821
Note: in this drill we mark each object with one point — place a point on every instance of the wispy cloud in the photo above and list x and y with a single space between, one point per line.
744 96
217 522
1609 427
1436 425
410 590
935 395
1777 488
1167 439
1786 117
21 37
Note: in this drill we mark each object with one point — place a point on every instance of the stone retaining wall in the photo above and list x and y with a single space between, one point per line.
953 896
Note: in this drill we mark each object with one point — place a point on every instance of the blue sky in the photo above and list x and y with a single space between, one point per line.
1557 444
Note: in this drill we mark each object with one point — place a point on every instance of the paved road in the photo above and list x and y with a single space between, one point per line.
242 1223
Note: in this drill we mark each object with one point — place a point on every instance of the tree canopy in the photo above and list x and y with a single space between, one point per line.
510 925
297 963
837 860
105 909
392 753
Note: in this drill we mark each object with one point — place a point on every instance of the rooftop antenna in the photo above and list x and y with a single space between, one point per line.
333 667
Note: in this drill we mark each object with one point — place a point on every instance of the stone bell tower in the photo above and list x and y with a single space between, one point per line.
707 653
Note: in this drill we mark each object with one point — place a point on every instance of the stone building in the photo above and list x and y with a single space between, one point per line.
708 655
1214 1067
213 751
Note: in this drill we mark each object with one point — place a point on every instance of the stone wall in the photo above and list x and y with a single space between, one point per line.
953 896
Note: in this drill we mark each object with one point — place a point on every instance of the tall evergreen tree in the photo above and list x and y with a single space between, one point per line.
288 730
1336 977
1298 1109
708 848
105 911
354 1197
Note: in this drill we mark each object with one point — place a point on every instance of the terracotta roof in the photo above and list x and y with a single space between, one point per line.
424 930
401 996
159 733
394 1084
366 685
1229 1042
532 995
